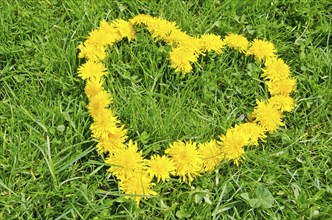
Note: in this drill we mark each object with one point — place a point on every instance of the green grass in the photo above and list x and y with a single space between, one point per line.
49 168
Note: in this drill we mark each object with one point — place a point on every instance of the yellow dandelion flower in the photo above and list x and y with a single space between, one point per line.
267 116
232 144
282 87
282 102
92 52
161 167
211 154
137 187
181 59
93 87
99 102
125 29
254 132
236 41
126 161
276 69
211 42
104 123
113 141
91 69
192 44
161 28
142 19
262 49
110 33
175 37
186 159
97 37
106 35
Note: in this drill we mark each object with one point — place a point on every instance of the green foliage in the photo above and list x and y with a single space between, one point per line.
263 198
48 165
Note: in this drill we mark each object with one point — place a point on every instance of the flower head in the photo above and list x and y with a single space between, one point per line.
232 144
113 141
109 32
125 29
211 42
186 159
253 131
93 87
236 41
181 59
262 49
125 162
276 69
282 87
284 103
91 69
142 19
137 186
175 37
92 52
162 29
211 154
267 116
160 167
98 103
104 123
98 37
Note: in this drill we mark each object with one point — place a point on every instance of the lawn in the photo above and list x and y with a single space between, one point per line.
49 166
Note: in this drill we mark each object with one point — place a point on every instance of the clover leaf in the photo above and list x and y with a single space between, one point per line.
263 198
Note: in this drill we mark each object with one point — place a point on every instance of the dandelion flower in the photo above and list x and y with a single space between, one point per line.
282 87
282 102
113 141
211 42
109 32
93 87
125 161
92 52
193 45
236 41
142 19
267 116
99 102
98 37
125 29
160 167
186 159
137 187
211 154
254 132
276 69
91 69
176 37
262 49
181 59
162 29
104 123
232 144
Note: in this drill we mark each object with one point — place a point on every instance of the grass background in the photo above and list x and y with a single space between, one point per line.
48 165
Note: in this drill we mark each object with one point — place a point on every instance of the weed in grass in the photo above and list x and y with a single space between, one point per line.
48 166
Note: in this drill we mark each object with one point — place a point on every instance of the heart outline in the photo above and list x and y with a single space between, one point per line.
123 154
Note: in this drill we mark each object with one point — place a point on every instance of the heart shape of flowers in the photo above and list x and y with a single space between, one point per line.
185 159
